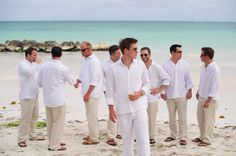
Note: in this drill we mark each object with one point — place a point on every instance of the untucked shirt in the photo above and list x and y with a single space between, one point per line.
91 74
121 81
52 78
28 73
157 77
209 81
180 77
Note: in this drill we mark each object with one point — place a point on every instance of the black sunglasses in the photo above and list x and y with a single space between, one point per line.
178 51
83 50
141 55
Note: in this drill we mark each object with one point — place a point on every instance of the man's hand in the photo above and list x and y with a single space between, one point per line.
206 104
154 91
163 96
112 114
135 96
86 97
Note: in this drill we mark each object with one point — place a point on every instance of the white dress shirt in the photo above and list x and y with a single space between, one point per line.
121 81
106 65
91 74
28 73
209 81
53 76
180 78
157 77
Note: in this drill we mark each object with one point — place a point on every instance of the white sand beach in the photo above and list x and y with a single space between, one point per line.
76 125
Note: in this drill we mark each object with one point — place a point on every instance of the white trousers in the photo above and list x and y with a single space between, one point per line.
92 118
179 105
206 119
137 122
55 124
152 115
29 117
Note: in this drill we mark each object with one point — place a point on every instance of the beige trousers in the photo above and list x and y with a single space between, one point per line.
92 118
111 129
29 117
152 115
179 105
55 125
206 119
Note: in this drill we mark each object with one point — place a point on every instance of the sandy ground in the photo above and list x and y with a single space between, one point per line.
224 142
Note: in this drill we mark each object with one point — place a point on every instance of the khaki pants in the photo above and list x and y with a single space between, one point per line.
111 129
55 125
152 115
92 118
206 119
29 117
179 105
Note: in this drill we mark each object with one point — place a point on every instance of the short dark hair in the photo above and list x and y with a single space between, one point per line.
112 49
208 51
56 51
174 47
29 51
125 43
146 48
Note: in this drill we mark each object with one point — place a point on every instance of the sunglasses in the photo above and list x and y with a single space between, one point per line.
135 49
142 55
83 50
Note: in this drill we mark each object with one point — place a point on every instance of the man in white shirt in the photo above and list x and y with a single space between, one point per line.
159 79
112 131
207 96
91 79
177 93
28 72
52 78
126 86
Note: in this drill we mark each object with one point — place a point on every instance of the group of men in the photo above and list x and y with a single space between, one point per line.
132 89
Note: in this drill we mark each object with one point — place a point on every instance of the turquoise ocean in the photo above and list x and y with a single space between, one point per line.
221 36
155 34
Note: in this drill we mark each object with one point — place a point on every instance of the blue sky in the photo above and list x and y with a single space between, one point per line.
164 10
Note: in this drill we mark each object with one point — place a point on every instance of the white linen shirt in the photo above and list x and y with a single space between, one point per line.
181 81
28 73
121 81
157 77
209 81
91 74
106 65
53 76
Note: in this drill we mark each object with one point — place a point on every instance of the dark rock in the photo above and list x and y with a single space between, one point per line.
49 45
68 46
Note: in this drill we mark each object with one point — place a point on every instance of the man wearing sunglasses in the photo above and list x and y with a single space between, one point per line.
127 83
91 79
159 79
177 93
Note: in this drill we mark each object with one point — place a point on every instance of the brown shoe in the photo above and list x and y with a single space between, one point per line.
183 142
168 139
111 142
118 136
90 142
22 144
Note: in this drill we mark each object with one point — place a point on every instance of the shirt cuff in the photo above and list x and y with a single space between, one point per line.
110 101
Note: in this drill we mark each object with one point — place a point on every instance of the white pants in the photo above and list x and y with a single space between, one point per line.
29 117
55 125
152 115
206 119
138 122
179 105
92 118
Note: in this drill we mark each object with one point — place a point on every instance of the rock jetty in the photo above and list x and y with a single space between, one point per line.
46 46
